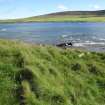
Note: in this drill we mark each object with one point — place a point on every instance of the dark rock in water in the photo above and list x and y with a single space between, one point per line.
65 44
70 44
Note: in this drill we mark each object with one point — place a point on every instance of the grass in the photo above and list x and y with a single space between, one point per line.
47 75
58 19
65 19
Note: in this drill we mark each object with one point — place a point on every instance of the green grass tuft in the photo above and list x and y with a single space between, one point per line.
47 75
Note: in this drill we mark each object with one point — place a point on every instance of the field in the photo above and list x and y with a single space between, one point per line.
66 16
47 75
57 19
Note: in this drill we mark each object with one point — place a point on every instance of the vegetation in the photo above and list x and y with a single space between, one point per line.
46 75
67 16
57 19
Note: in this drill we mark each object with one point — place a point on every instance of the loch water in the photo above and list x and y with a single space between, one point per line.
87 34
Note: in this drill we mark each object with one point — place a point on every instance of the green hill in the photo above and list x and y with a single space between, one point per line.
77 13
47 75
67 16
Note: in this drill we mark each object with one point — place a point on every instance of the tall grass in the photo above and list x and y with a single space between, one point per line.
46 75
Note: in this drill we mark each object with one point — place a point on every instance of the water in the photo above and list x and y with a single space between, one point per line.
86 35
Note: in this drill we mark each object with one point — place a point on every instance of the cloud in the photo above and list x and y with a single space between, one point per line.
95 6
62 7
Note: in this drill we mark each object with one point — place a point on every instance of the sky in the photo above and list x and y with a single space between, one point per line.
10 9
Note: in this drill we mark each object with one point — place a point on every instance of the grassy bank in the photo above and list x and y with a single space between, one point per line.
37 75
64 19
57 19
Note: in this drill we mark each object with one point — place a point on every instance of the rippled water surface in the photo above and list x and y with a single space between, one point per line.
89 35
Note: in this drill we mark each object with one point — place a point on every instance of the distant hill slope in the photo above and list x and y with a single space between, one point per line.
77 13
66 16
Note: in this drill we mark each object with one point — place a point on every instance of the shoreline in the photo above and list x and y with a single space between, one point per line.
53 22
90 48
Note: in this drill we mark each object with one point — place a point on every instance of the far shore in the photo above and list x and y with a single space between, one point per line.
54 19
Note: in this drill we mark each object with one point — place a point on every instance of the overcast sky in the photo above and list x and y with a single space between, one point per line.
26 8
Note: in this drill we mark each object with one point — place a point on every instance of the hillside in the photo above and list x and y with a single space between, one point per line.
77 13
67 16
47 75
